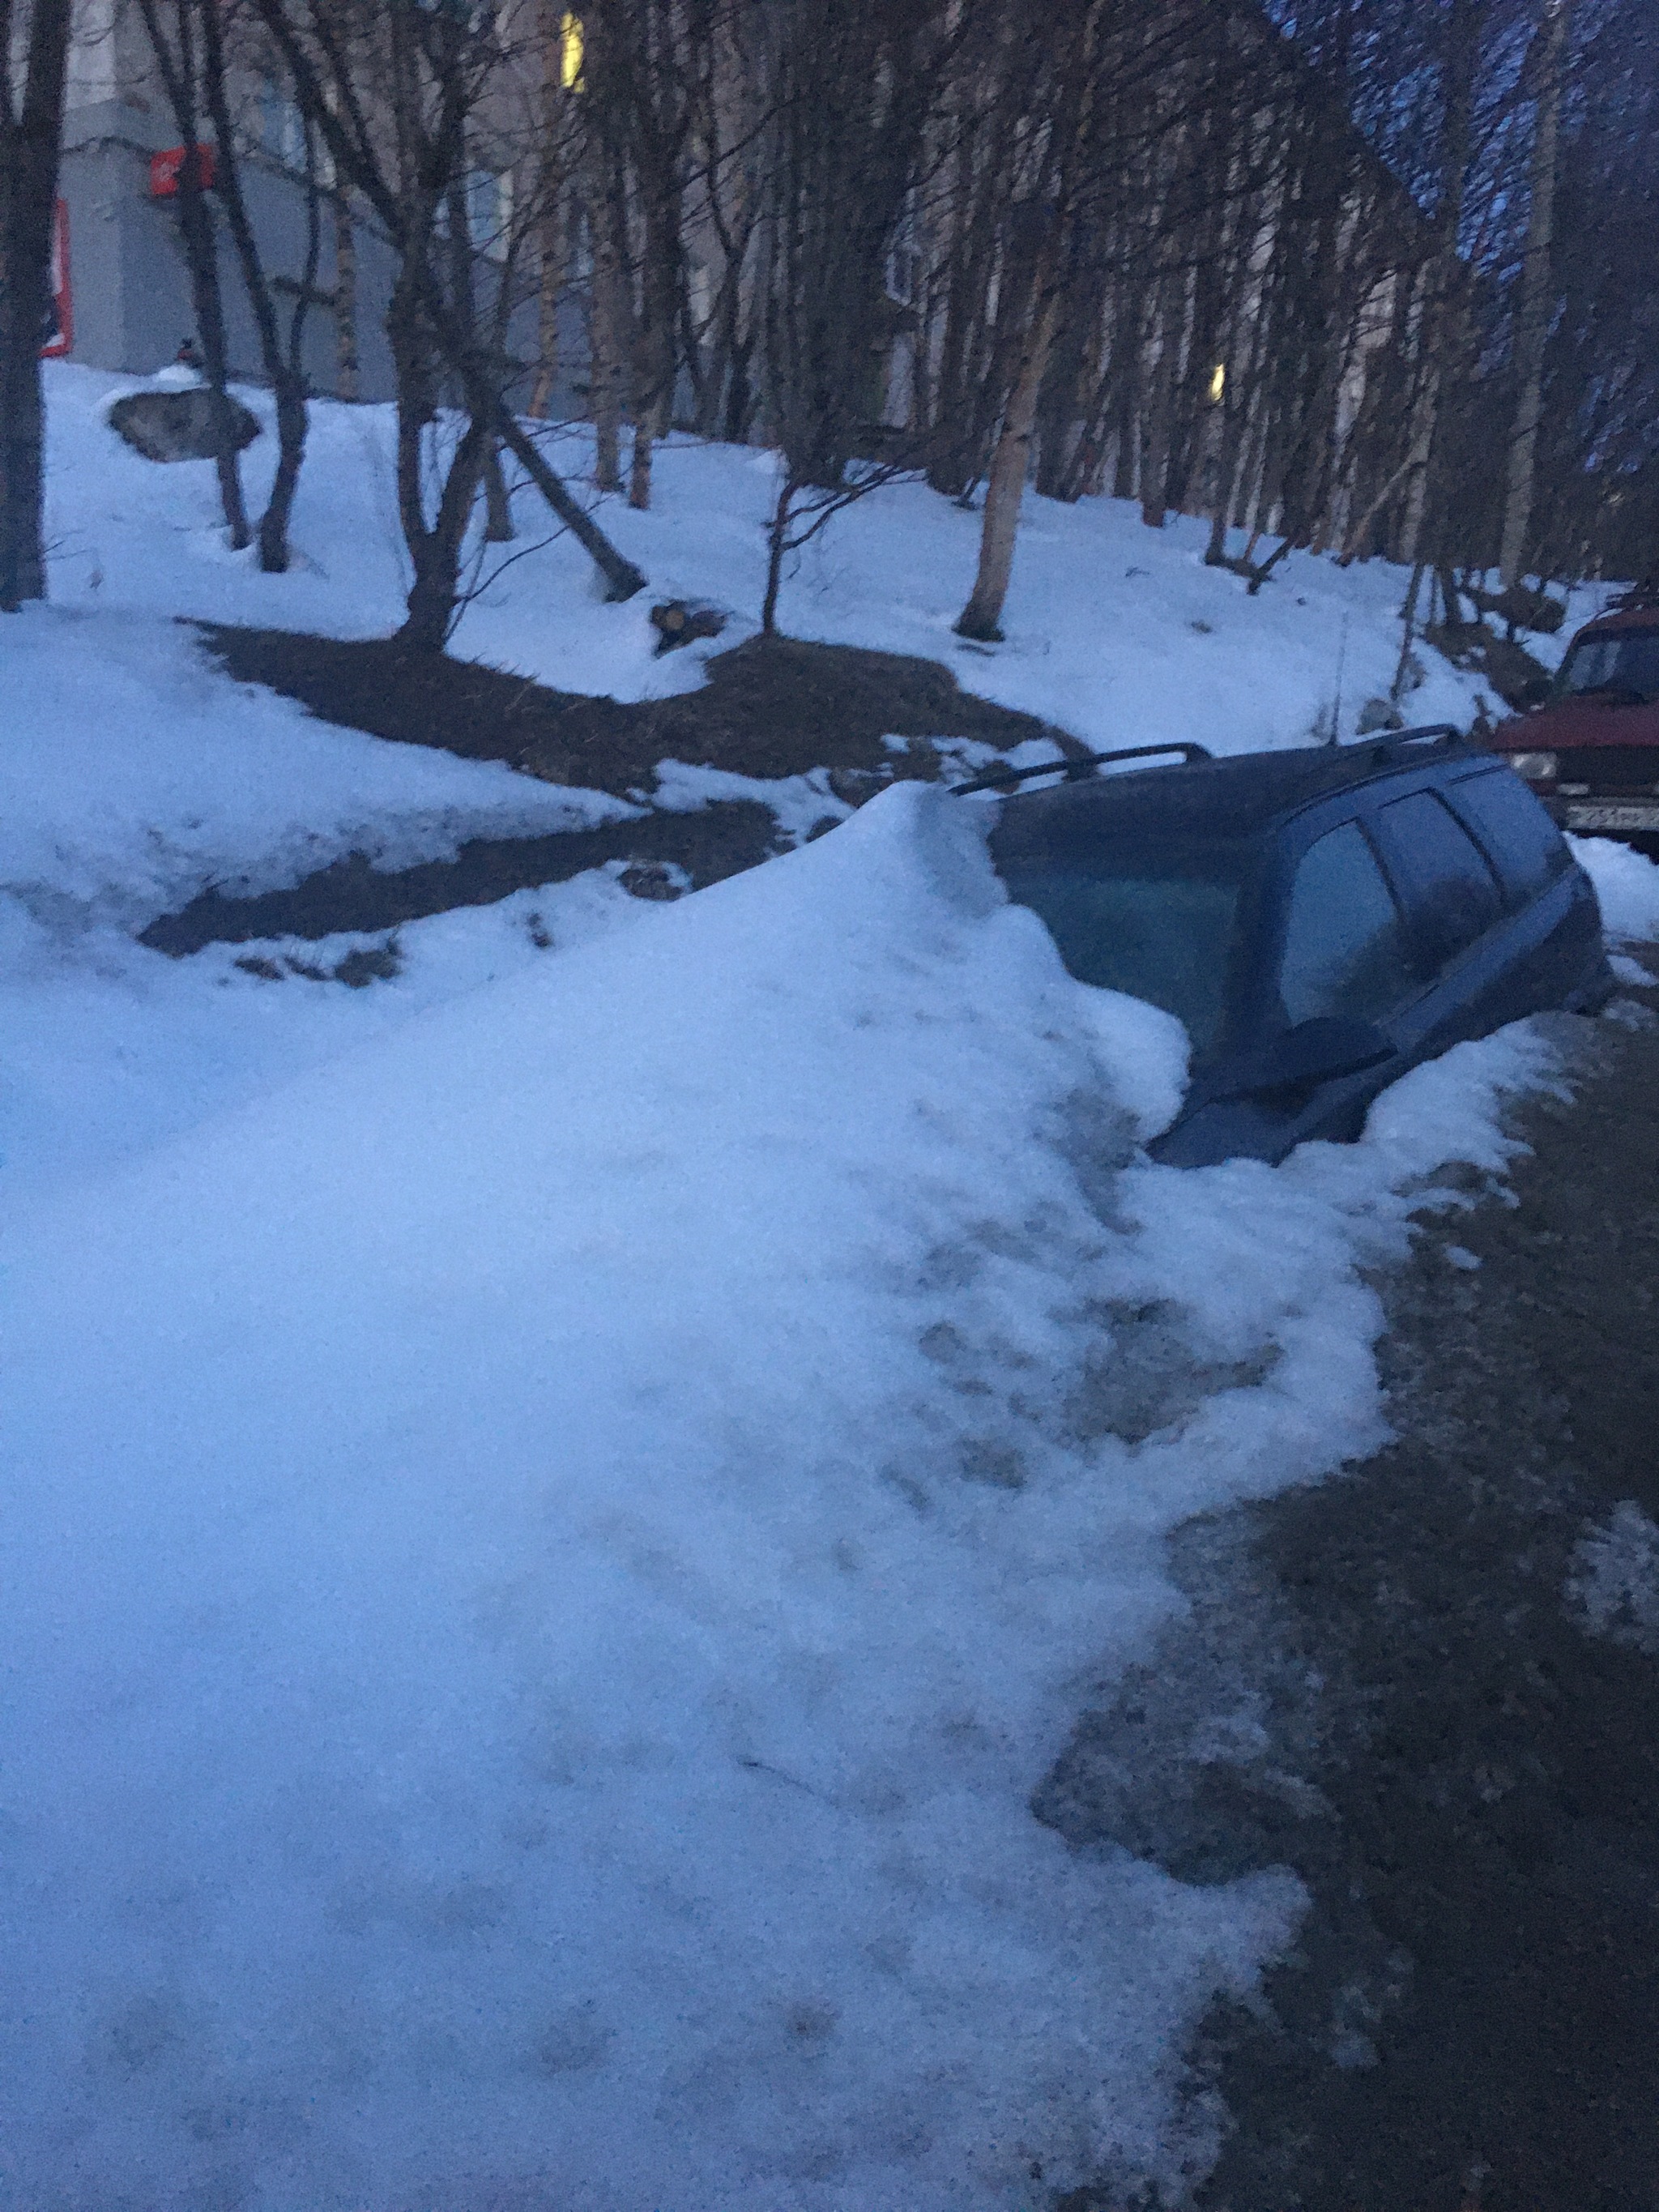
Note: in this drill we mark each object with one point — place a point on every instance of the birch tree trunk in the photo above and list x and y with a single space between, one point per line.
1006 486
1532 316
1445 314
1424 415
550 223
1155 462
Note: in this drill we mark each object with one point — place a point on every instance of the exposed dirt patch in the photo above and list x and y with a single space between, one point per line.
768 708
1387 1685
353 895
1504 662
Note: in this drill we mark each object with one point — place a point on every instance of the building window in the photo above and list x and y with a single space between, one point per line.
572 45
281 128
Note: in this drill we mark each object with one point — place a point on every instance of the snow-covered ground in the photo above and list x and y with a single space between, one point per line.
559 1504
1118 633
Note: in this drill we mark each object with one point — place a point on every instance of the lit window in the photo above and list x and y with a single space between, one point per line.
570 52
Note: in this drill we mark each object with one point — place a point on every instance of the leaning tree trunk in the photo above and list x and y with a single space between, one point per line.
415 325
283 365
178 65
1533 320
31 129
1006 486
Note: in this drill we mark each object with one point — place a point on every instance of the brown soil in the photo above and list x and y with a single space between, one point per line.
352 895
768 709
1504 662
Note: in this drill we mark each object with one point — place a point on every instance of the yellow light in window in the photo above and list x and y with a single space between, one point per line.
1219 382
570 52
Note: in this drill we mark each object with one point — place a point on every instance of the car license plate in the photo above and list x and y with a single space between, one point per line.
1613 818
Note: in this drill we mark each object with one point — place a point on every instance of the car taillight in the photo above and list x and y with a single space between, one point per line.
1534 768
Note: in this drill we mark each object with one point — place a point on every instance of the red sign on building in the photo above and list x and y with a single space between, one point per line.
61 336
164 171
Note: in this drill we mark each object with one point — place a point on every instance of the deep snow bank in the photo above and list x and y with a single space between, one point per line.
545 1560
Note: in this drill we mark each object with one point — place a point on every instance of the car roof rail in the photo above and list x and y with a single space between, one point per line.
1398 743
1075 770
1384 747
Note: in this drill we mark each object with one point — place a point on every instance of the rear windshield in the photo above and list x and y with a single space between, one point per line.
1514 828
1626 661
1158 923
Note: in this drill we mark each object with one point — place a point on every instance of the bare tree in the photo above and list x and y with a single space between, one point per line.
175 38
33 57
281 352
347 371
1532 312
848 106
1005 488
1251 258
400 95
641 87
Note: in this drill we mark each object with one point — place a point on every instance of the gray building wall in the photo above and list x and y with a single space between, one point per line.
129 283
130 286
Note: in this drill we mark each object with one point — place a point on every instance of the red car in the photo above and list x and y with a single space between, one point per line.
1588 745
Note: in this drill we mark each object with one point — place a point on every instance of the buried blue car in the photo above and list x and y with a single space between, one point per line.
1320 919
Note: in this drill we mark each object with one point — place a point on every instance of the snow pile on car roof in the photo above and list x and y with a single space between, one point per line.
546 1559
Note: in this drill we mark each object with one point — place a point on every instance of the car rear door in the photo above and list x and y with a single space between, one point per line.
1469 938
1344 952
1558 957
1334 946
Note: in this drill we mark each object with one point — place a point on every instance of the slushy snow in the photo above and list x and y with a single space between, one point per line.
560 1505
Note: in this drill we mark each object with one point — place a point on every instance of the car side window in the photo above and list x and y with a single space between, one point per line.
1515 828
1344 945
1451 892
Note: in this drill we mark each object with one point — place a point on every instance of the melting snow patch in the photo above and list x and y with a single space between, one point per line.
133 774
800 803
1614 1585
1627 884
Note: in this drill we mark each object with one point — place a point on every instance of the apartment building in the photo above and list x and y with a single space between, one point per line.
126 292
122 282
